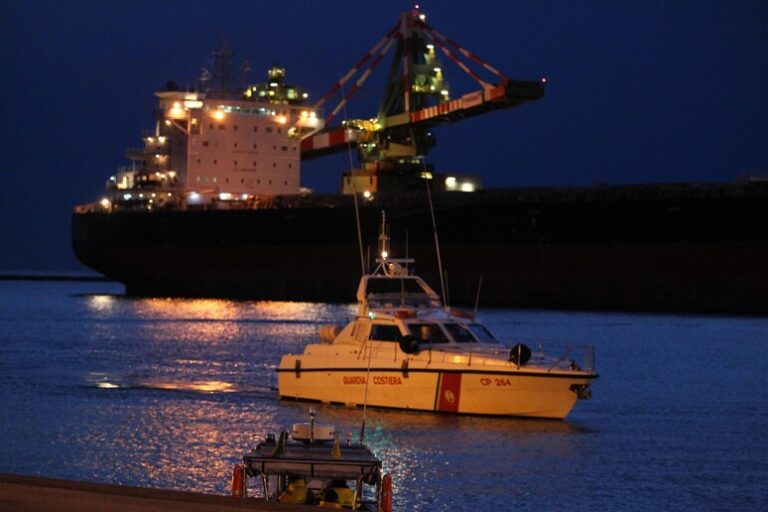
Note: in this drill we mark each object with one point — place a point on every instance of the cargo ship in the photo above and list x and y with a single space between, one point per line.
212 204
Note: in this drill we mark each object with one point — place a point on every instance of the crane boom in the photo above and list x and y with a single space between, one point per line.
417 98
507 95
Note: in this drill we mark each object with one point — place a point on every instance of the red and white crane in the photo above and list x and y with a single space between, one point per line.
417 96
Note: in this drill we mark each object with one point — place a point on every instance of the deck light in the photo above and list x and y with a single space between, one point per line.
218 115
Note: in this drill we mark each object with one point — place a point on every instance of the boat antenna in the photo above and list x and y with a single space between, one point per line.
477 298
383 238
354 192
359 231
383 255
437 243
365 398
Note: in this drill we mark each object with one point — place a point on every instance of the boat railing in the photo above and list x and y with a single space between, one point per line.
573 353
550 356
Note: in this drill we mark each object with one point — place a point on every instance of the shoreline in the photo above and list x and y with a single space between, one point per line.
23 493
53 277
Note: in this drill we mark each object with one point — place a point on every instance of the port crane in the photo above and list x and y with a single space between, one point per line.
392 146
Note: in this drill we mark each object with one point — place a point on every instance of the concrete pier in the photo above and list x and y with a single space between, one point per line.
19 493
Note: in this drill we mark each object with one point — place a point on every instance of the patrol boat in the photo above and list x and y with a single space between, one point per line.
406 350
311 466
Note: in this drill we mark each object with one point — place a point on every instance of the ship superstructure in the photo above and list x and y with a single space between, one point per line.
217 148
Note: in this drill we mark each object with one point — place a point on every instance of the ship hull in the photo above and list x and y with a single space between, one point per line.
658 249
451 389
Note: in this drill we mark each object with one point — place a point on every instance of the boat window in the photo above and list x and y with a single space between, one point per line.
428 333
460 333
482 333
385 332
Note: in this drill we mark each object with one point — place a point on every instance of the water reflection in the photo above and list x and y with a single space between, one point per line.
204 386
101 303
174 309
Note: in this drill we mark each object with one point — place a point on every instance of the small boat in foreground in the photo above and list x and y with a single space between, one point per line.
404 350
310 466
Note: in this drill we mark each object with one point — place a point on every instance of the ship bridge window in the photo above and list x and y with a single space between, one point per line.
385 332
460 333
482 334
428 333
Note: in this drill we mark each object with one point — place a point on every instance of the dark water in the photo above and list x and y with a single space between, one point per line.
168 393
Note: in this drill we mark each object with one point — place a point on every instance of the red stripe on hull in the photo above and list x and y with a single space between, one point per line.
450 392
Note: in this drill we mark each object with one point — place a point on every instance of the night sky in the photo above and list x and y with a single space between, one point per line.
637 92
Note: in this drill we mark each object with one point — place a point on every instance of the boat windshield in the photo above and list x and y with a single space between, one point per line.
460 333
482 334
428 333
